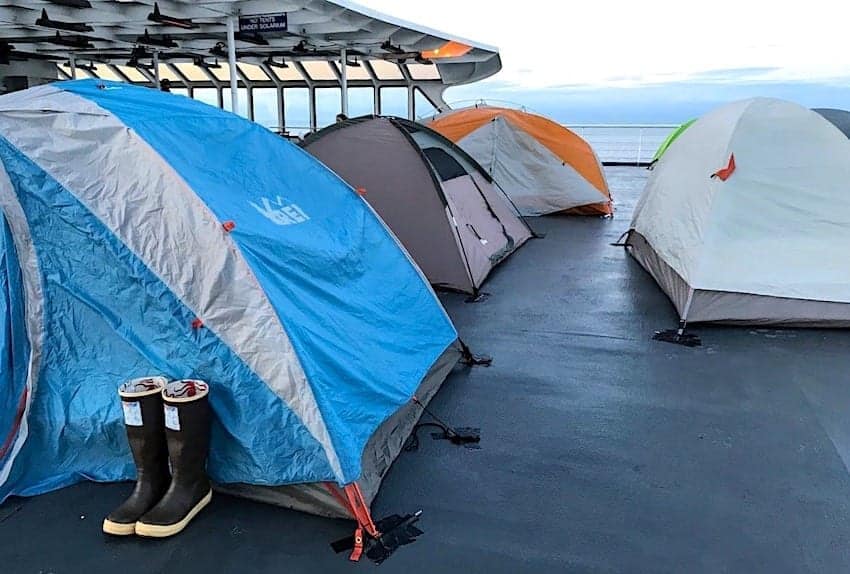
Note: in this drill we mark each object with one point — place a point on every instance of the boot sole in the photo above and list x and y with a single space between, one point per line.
118 529
164 531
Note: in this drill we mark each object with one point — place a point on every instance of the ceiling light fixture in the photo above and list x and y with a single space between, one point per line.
46 22
165 41
160 18
270 61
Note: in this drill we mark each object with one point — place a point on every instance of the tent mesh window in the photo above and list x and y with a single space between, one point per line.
447 167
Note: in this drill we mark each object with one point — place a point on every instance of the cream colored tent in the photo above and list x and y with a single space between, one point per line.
747 218
541 165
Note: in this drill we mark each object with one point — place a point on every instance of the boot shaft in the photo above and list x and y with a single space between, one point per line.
187 426
144 420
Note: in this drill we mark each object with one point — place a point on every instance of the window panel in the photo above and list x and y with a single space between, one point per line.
243 100
423 71
253 72
132 73
297 110
386 70
319 70
289 74
192 72
394 102
207 95
355 72
265 107
81 74
361 102
424 107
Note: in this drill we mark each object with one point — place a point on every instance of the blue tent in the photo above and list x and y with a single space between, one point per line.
145 233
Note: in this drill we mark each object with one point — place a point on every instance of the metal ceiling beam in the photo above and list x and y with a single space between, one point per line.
327 26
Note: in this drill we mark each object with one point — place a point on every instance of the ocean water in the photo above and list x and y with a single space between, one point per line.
624 143
612 143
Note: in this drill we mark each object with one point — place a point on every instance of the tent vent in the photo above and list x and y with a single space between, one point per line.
447 167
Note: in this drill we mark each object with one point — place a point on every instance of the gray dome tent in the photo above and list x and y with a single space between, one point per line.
443 207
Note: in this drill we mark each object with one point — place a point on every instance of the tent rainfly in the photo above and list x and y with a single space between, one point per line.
541 165
838 118
437 200
745 219
144 233
668 141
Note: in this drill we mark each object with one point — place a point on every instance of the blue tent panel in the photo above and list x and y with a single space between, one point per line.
109 318
14 345
316 248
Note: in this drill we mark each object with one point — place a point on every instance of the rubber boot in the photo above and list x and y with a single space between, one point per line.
141 400
187 430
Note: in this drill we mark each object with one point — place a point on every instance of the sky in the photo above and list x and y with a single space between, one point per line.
648 61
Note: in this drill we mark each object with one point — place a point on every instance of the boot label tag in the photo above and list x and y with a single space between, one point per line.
172 419
132 414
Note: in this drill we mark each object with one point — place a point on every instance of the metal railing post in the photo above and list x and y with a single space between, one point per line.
640 146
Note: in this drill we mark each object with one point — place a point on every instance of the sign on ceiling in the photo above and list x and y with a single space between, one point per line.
263 23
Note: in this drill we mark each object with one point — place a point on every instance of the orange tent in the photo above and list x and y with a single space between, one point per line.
541 165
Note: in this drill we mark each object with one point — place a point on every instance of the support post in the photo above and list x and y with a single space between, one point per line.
156 69
231 62
343 80
314 120
72 63
281 110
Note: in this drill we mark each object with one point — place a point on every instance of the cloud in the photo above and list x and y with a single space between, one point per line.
618 42
735 74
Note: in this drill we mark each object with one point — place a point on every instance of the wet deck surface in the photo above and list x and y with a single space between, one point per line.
602 450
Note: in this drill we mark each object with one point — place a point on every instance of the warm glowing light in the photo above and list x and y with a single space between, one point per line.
447 50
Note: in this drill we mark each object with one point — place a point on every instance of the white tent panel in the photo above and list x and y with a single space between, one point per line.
673 212
777 227
536 181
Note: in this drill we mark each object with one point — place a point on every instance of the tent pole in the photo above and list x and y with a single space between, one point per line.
343 80
231 62
156 69
72 63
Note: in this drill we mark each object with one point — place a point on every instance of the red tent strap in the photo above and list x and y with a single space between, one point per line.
360 509
19 417
335 492
354 502
726 172
357 551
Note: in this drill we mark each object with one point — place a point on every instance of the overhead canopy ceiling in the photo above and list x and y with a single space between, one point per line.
127 33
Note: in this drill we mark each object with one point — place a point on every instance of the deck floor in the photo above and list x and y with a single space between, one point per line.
602 450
